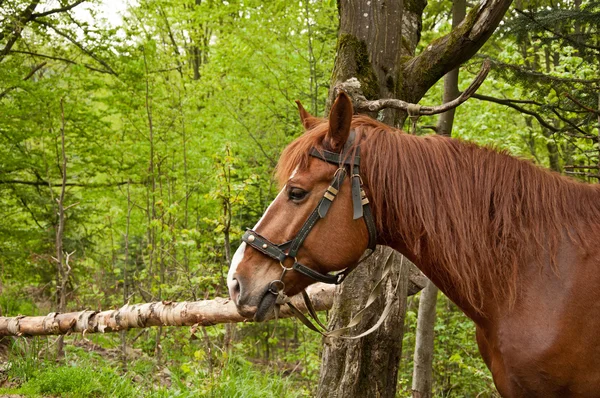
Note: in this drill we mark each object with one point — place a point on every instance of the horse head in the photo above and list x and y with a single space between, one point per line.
305 234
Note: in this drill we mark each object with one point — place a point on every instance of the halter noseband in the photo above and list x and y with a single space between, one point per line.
361 208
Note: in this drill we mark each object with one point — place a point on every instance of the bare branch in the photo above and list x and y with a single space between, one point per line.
43 183
510 104
165 313
77 44
362 105
576 101
57 10
29 75
582 166
60 59
582 174
15 34
542 76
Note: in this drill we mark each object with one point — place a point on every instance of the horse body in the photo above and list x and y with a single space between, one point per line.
547 343
545 340
513 245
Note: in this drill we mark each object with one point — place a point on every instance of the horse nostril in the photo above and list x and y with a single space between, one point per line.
234 290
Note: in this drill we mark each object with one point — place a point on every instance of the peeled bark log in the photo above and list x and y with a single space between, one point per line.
165 313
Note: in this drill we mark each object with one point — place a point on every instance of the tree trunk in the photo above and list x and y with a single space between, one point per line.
422 382
446 120
370 48
423 371
367 367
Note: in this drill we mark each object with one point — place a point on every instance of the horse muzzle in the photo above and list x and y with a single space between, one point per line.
252 305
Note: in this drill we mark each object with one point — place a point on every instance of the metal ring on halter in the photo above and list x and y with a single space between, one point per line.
286 269
276 291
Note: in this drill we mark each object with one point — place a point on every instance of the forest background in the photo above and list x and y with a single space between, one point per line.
165 126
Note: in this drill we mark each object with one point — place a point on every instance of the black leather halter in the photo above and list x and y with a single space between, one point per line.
347 160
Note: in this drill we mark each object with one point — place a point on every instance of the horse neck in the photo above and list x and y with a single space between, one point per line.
464 215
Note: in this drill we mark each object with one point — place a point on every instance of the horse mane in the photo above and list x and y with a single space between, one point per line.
476 211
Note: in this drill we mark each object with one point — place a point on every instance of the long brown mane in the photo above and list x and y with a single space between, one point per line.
477 211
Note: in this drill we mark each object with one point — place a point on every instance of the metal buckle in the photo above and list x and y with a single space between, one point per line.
271 288
339 170
359 178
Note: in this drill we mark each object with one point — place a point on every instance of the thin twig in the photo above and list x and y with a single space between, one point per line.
56 10
78 45
519 108
577 102
29 76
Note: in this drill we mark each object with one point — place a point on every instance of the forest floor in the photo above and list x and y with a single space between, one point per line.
95 368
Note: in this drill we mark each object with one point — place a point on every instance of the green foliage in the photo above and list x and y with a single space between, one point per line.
174 121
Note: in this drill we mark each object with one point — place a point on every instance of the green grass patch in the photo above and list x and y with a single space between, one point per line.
75 382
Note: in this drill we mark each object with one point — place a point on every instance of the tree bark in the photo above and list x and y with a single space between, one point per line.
446 120
450 51
166 313
423 359
369 49
367 367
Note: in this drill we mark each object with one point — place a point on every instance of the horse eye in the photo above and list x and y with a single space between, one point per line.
297 194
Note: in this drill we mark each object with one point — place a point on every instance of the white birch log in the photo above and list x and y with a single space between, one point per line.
165 313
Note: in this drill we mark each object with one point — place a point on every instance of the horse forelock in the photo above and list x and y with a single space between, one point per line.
476 211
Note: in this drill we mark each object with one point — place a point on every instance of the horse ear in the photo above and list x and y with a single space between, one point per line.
340 120
308 120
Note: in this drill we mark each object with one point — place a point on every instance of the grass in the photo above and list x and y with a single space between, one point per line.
96 373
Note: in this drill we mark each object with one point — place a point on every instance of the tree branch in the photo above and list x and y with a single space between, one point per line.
23 19
451 50
78 45
584 134
510 104
29 75
165 313
543 76
564 37
57 10
43 183
362 105
60 59
577 102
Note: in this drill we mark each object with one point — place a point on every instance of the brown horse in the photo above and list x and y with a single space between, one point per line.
514 246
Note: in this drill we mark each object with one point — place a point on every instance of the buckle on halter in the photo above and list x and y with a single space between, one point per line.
339 170
359 178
